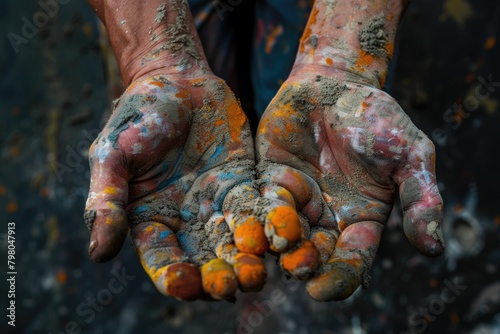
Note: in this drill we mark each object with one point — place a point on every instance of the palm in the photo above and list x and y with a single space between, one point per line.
342 150
164 164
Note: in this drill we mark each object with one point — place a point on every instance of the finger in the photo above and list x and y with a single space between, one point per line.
301 261
420 199
284 185
283 226
219 279
349 265
164 261
105 214
324 240
249 236
250 271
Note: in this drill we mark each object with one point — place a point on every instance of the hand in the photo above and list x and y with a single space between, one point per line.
338 151
174 155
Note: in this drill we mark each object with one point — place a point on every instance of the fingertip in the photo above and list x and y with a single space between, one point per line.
181 281
283 228
338 282
249 237
425 236
250 272
107 239
324 241
218 279
301 261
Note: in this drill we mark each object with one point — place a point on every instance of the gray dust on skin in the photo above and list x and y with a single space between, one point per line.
177 34
411 192
431 217
129 112
160 13
198 241
162 207
89 218
301 273
344 191
331 90
314 41
434 231
349 273
373 37
202 115
220 235
367 257
350 279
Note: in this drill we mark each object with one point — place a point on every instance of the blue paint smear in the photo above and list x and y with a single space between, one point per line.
186 215
226 176
176 174
165 234
217 153
187 243
141 209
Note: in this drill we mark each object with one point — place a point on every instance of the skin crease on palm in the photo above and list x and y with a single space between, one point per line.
174 166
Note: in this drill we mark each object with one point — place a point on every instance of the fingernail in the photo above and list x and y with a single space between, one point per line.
92 246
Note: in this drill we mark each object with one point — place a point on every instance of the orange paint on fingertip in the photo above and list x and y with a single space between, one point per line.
218 279
250 272
329 61
325 243
286 223
181 281
249 237
302 261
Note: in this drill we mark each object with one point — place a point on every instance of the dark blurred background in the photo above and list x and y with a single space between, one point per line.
55 89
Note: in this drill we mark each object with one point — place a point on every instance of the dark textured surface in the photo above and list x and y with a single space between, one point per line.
444 59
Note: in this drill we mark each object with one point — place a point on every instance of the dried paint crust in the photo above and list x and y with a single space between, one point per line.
373 37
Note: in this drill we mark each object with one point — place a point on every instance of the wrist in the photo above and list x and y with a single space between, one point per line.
156 37
355 39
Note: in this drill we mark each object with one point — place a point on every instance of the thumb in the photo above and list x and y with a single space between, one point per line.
420 199
105 214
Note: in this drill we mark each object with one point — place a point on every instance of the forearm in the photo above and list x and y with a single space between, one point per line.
151 37
352 37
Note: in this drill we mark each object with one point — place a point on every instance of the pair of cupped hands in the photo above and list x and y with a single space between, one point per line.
176 168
